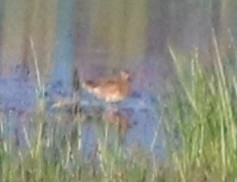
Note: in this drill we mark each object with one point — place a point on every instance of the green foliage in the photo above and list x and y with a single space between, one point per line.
205 116
53 153
200 120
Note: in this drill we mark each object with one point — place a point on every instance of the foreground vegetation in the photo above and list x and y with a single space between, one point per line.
204 111
200 123
52 151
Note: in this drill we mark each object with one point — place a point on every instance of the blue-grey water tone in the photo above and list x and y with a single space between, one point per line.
142 110
18 97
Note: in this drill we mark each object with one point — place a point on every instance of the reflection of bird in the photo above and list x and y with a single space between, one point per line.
119 119
112 89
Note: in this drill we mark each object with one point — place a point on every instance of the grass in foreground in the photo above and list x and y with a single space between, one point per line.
200 120
53 152
204 111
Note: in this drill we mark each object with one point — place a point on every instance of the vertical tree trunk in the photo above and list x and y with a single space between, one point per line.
63 57
42 35
136 27
13 34
2 5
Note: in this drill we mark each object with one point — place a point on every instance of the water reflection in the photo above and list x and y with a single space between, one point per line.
136 120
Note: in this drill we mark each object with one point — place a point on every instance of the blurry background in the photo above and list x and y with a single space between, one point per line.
100 37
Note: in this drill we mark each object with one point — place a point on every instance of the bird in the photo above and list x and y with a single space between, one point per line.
111 89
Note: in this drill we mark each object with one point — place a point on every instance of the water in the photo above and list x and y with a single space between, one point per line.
19 98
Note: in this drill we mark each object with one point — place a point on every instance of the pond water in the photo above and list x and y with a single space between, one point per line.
19 105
